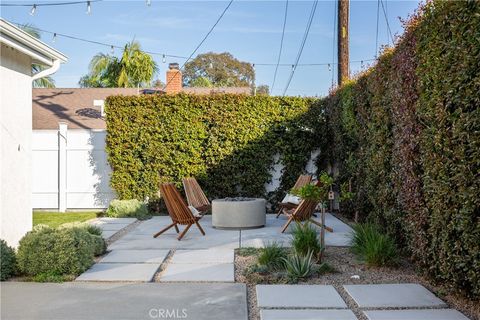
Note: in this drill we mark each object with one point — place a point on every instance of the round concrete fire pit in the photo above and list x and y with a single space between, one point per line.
238 213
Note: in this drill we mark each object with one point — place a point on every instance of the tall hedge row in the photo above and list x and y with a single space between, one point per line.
227 141
407 136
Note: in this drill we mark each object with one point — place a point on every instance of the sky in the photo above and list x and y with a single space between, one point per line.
250 30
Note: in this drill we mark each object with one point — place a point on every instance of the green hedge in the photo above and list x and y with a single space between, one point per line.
407 135
227 141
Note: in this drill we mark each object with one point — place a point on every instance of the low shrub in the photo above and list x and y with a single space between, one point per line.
47 252
127 208
272 256
95 232
305 240
8 261
299 266
372 246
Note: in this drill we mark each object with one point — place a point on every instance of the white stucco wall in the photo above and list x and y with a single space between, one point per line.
15 144
87 173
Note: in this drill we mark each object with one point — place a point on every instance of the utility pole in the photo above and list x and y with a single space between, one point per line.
343 43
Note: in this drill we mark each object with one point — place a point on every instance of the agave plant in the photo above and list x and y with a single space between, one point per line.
300 266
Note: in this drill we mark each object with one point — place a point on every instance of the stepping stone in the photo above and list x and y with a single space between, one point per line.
307 315
393 295
298 296
108 234
425 314
114 220
136 256
120 272
220 272
203 256
112 226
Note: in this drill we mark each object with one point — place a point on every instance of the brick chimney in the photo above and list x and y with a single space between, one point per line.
174 79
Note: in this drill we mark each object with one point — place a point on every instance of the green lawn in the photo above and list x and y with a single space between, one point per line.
54 219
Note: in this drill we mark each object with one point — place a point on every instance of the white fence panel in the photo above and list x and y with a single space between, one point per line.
87 171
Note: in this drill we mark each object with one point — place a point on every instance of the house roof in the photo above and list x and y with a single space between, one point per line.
71 105
18 39
75 105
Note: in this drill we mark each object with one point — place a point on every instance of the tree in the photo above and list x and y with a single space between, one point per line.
45 82
158 84
263 89
201 82
134 68
220 69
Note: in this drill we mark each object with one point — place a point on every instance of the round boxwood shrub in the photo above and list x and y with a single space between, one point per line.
8 261
95 232
127 208
56 252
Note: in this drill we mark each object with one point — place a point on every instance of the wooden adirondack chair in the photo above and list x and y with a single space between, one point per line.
303 212
178 211
195 195
302 180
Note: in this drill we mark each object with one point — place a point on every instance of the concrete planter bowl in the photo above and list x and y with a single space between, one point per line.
238 213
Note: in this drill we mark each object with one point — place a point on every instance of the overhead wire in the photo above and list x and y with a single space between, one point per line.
302 45
281 45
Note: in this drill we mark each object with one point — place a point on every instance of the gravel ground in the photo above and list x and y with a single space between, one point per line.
346 265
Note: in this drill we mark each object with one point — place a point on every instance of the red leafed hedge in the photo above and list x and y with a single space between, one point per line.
407 134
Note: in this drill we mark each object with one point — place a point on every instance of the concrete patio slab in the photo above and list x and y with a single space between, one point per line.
115 301
120 272
307 315
136 256
424 314
214 255
218 272
393 295
298 296
115 220
108 234
112 226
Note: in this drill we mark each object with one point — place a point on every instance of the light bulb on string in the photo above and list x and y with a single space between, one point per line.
164 59
293 67
329 67
54 37
34 8
361 64
148 2
112 50
89 8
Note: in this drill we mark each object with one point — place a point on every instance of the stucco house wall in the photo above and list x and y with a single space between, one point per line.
15 141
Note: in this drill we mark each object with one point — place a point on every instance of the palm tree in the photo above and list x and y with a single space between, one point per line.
45 82
134 68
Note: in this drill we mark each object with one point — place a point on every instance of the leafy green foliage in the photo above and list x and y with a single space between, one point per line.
7 261
305 240
308 192
59 252
299 266
406 135
372 246
218 69
272 256
226 141
127 208
134 68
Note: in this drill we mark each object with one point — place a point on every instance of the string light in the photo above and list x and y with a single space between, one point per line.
54 37
89 8
164 59
34 8
293 67
361 64
329 67
148 2
112 49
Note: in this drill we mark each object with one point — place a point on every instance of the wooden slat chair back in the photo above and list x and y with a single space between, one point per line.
304 212
195 195
178 211
302 180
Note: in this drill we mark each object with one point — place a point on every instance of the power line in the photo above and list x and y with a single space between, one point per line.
376 32
281 45
302 45
386 20
47 4
333 42
201 42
